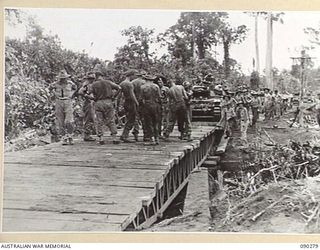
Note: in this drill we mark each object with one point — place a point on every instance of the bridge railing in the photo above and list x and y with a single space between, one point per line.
172 182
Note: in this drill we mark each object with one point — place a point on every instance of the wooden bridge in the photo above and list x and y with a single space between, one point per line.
88 187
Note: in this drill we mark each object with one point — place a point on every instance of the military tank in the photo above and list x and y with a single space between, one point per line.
205 104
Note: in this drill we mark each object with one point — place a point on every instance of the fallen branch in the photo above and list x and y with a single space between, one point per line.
304 216
179 219
44 141
314 213
274 176
254 218
299 167
301 164
298 172
269 137
262 170
313 199
242 203
231 183
228 213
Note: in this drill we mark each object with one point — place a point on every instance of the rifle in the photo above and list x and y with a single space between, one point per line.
76 93
79 82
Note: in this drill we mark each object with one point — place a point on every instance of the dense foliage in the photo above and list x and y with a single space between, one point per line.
32 64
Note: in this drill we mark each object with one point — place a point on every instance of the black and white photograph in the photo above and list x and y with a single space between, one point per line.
145 120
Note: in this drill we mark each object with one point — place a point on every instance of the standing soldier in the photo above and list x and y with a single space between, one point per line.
228 114
267 103
278 102
102 93
284 105
247 98
273 106
130 105
178 111
188 88
255 106
63 89
88 108
233 106
244 120
137 83
164 115
239 96
151 101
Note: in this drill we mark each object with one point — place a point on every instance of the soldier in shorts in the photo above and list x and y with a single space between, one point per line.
63 90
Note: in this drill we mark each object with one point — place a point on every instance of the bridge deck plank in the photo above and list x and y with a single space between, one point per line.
84 187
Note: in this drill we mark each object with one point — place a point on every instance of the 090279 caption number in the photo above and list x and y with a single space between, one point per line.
309 246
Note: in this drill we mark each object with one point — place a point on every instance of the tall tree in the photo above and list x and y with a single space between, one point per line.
30 65
269 50
230 35
197 30
14 16
271 18
256 39
314 36
256 15
136 52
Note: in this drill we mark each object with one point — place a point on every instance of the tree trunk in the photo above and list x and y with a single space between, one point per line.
269 79
257 44
200 45
201 50
226 45
193 41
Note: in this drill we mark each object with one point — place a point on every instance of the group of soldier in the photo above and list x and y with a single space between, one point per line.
241 109
155 104
149 101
